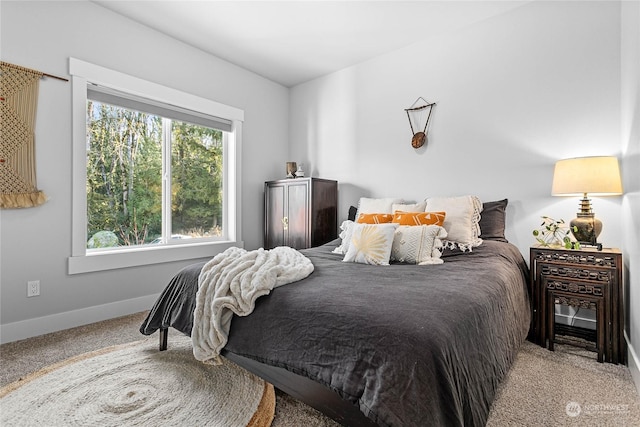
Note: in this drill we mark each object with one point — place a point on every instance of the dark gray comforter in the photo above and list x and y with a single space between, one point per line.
410 345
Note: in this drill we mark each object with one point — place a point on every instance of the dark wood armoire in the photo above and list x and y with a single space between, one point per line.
300 212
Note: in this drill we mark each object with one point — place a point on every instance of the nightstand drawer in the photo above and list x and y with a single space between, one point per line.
577 273
585 288
568 257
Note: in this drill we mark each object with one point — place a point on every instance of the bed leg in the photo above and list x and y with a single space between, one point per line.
164 332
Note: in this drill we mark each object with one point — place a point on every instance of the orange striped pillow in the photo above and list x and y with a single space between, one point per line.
419 218
374 218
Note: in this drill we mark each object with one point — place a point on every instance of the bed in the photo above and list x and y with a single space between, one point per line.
395 345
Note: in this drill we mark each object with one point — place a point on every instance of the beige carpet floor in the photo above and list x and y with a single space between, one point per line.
562 388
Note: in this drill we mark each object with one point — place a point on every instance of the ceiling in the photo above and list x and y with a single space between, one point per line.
291 42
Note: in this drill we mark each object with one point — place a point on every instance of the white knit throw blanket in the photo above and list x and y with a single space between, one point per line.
231 283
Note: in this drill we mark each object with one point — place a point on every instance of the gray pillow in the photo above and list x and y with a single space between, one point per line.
493 220
352 213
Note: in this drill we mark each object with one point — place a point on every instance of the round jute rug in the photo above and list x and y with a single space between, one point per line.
137 385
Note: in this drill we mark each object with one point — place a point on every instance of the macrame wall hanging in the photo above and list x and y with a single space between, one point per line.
419 114
18 104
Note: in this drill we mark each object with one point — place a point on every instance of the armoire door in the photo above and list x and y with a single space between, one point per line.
297 208
275 222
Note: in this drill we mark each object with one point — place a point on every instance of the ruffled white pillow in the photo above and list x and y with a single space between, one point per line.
345 234
461 221
418 244
371 243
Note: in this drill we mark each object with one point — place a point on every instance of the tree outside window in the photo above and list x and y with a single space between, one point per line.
126 151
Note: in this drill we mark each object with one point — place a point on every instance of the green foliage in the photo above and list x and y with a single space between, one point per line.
196 184
555 233
124 175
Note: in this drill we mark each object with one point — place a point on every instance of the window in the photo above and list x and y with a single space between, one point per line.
131 145
155 177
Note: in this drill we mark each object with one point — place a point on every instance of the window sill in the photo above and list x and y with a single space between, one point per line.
136 257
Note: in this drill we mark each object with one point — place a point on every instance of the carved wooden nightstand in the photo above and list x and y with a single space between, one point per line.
584 278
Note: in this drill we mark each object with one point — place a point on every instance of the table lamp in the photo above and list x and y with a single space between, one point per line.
597 176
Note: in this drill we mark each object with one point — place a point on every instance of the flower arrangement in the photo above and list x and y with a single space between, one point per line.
555 233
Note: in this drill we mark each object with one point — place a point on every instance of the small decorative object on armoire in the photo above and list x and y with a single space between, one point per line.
300 213
598 176
291 169
419 113
299 171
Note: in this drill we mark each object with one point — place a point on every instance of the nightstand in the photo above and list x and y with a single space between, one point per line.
583 278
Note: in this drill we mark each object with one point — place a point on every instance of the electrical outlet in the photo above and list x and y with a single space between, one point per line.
33 288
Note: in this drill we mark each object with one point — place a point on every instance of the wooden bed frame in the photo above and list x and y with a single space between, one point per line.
297 386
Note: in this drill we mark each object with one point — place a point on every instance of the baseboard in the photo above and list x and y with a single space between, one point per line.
633 363
572 320
70 319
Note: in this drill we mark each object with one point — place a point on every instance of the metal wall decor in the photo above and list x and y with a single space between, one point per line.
419 113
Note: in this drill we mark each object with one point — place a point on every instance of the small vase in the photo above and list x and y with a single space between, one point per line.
556 244
291 169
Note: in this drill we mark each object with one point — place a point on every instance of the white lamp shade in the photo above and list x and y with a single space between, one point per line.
597 176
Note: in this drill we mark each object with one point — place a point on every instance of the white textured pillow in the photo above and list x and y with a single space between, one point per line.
409 207
461 221
367 205
371 244
345 235
418 244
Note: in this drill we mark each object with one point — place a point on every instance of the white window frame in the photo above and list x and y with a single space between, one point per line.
83 261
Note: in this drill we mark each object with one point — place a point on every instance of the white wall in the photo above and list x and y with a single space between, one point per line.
630 100
514 94
36 242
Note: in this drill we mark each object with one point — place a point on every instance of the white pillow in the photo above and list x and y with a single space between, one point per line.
371 244
367 205
418 244
345 235
409 207
461 220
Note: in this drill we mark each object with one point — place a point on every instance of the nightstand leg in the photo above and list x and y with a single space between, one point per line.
542 316
600 331
551 319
